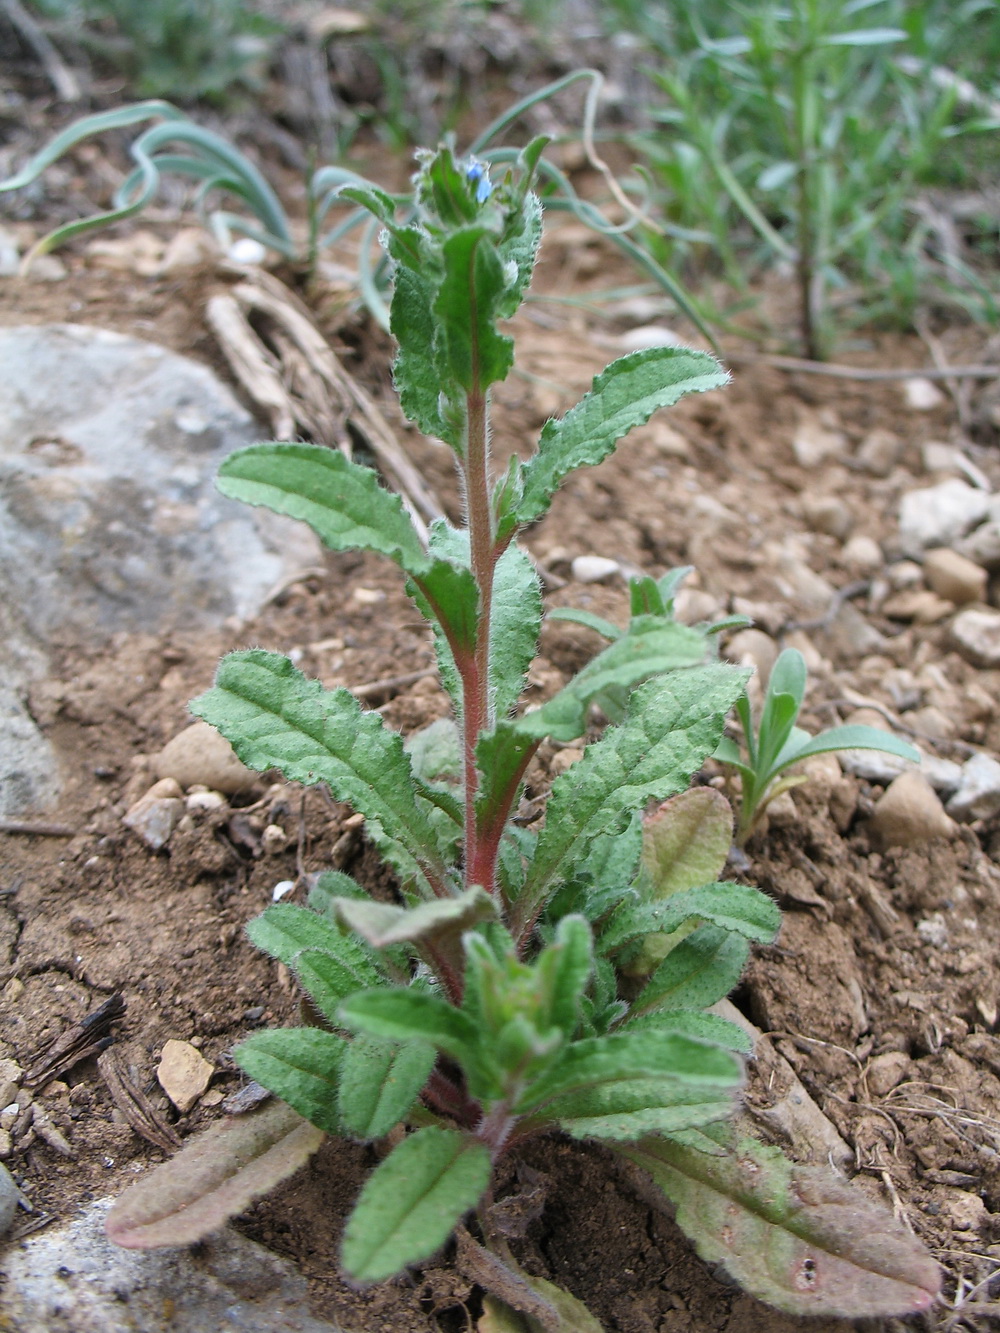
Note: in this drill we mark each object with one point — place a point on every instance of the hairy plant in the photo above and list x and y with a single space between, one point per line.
521 982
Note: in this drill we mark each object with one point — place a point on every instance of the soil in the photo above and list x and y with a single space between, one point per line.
851 978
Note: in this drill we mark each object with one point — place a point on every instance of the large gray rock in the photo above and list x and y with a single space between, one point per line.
73 1279
109 518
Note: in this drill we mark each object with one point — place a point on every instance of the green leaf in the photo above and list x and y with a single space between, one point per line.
216 1175
413 1015
629 660
624 395
736 907
300 1065
797 1237
518 251
568 962
685 843
275 718
436 752
416 372
379 1082
572 1314
598 624
515 623
467 305
673 724
667 1060
343 502
501 757
850 737
285 931
412 1201
384 924
697 1024
701 969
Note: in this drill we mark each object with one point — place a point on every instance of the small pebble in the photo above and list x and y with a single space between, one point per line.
878 453
920 605
813 442
198 802
183 1073
247 251
862 556
155 815
978 794
954 577
982 545
282 889
940 515
200 755
752 647
886 1071
921 395
828 514
909 813
975 633
10 1197
594 568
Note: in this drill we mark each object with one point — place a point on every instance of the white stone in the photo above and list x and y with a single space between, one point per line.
814 442
862 556
247 251
594 568
954 576
154 816
982 545
939 515
978 794
975 633
878 453
922 395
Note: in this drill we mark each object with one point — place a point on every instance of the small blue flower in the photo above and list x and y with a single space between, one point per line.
477 173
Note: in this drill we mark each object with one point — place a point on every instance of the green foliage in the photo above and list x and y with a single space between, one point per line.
493 1000
802 135
778 744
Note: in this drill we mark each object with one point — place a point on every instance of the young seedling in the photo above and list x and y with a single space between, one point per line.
489 1002
778 744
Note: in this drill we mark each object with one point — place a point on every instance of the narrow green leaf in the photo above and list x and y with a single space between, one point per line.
850 737
685 842
515 624
275 718
632 658
518 251
413 1200
343 502
736 907
797 1237
467 306
384 924
379 1082
568 962
416 371
216 1175
412 1015
300 1065
673 724
502 756
598 624
701 969
624 395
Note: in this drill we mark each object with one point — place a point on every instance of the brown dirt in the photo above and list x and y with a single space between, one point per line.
849 979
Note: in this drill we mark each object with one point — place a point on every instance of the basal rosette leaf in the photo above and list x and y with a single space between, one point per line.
286 932
379 1082
798 1237
301 1066
685 842
736 907
216 1175
624 395
413 1200
700 970
274 717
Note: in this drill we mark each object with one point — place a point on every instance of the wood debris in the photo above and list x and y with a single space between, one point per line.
90 1036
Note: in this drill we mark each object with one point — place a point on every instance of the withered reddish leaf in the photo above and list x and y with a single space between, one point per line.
798 1237
216 1175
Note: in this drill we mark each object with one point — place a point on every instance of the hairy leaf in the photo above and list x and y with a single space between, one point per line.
408 1015
215 1175
343 502
630 659
697 972
736 907
624 395
572 1315
415 371
275 718
301 1065
379 1082
695 1023
383 924
672 725
284 931
797 1237
568 962
685 843
519 250
412 1201
670 1063
467 306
